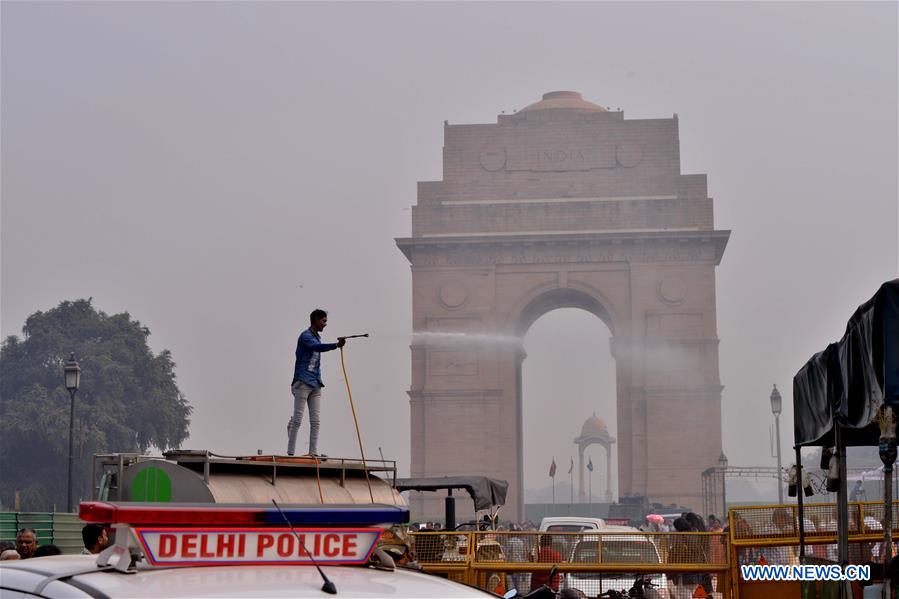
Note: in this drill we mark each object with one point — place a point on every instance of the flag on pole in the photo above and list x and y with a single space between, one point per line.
571 467
590 464
552 468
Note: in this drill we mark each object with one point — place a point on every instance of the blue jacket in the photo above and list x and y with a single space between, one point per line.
308 365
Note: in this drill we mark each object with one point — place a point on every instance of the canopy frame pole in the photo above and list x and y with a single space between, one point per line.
887 451
449 510
800 500
842 497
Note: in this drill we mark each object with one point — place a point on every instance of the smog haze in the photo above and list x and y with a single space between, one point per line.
218 170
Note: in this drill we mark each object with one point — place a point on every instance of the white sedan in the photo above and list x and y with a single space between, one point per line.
73 576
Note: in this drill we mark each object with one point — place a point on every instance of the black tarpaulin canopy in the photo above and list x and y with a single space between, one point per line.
837 395
852 378
485 492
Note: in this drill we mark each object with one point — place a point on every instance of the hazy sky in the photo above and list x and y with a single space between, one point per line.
220 169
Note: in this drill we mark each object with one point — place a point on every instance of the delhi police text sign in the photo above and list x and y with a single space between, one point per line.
195 546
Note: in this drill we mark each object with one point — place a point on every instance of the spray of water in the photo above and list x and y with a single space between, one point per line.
466 338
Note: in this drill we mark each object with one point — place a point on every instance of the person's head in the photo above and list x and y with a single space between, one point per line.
681 525
9 554
26 542
695 521
94 537
318 319
782 519
45 550
546 540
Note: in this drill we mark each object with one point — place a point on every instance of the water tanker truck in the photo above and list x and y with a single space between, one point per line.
200 476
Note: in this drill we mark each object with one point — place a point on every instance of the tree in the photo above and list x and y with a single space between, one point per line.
127 401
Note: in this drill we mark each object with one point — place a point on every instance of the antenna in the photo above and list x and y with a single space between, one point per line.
329 586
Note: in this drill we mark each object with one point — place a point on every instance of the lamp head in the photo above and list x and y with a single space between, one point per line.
776 401
72 373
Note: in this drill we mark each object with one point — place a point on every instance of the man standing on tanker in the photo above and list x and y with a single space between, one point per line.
306 386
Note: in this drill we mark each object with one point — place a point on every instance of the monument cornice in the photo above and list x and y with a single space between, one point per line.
455 394
678 391
565 248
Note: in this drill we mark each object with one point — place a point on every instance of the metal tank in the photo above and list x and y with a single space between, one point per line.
200 476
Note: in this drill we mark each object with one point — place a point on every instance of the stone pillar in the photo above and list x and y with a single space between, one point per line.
609 473
581 494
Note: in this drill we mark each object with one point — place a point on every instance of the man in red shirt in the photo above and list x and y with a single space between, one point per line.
546 555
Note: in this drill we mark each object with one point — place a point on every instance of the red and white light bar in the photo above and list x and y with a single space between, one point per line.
192 535
176 514
210 546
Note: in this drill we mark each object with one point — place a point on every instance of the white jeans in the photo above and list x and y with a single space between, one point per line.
303 394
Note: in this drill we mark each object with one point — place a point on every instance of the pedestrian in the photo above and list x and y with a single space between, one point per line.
685 549
697 524
654 523
306 386
546 555
26 542
517 552
785 527
95 539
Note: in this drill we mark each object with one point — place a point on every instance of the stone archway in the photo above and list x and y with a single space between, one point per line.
565 204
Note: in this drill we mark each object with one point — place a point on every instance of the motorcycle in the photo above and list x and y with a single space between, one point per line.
641 589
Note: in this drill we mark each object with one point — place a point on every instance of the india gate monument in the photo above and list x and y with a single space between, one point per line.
564 204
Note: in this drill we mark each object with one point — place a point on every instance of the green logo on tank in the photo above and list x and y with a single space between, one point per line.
151 484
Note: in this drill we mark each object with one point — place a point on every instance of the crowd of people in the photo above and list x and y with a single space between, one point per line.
27 545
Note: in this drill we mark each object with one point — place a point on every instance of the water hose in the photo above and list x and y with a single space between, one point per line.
356 422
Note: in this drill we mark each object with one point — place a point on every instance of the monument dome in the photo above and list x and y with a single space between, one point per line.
594 427
564 100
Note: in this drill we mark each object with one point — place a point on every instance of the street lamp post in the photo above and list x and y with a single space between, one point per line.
722 466
776 405
73 378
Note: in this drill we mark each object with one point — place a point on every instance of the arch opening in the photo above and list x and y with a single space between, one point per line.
555 299
567 376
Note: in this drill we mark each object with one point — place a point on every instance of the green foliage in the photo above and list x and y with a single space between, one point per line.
127 401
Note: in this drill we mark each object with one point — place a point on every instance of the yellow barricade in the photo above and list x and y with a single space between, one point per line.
769 534
676 564
679 565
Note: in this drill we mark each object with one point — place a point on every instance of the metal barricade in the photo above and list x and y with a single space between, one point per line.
769 534
676 564
680 565
444 554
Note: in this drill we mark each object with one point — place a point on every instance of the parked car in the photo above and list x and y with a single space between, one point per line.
241 550
564 543
571 524
616 549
